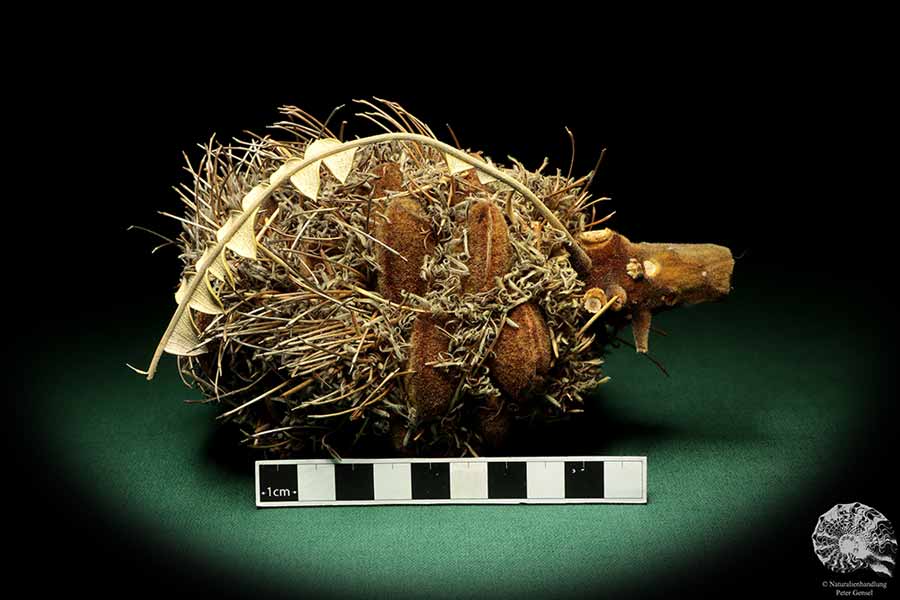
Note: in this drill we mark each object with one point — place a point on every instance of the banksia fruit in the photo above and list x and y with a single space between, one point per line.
398 288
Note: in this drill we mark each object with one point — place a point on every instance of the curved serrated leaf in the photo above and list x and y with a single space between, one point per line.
484 177
307 180
218 268
339 164
243 242
253 195
455 165
286 166
582 259
204 299
184 339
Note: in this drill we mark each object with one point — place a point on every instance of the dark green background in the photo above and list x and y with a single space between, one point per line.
780 402
762 405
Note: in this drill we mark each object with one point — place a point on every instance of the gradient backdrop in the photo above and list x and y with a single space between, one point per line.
780 404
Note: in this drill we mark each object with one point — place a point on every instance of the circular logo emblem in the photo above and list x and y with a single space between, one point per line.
854 536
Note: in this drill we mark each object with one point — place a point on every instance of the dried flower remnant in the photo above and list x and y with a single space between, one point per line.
395 286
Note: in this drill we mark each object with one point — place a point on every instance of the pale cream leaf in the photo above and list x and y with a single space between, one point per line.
218 268
456 165
184 340
484 177
307 180
204 298
339 164
243 242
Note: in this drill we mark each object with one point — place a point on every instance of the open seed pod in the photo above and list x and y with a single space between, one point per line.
401 288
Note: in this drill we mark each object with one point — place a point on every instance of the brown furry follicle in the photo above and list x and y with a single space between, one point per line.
495 422
407 231
489 250
520 363
464 185
521 356
430 389
388 178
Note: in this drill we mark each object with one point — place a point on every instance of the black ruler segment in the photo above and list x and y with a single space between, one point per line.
584 479
531 480
431 481
354 482
278 483
507 480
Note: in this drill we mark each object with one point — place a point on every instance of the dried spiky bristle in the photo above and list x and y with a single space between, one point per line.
328 330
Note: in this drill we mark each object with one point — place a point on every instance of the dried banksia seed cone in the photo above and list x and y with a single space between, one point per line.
395 287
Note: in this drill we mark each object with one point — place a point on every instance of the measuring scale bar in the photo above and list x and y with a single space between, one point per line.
541 480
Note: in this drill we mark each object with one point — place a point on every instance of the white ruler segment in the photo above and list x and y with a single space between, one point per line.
489 480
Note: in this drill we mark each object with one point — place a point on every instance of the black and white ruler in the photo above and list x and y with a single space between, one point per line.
530 480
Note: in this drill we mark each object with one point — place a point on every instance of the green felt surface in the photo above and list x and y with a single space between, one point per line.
747 423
